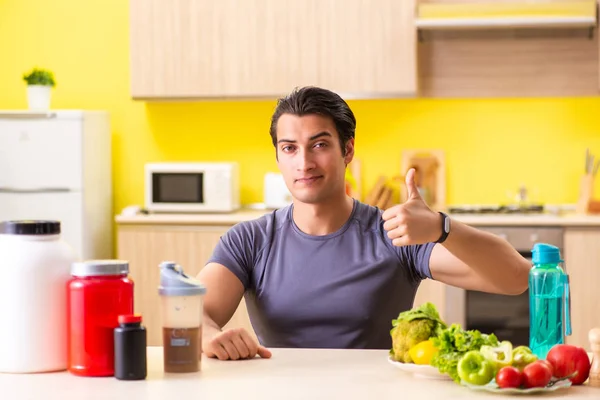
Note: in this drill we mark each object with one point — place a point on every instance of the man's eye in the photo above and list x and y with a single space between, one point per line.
321 144
287 148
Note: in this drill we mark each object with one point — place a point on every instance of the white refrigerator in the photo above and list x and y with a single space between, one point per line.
57 166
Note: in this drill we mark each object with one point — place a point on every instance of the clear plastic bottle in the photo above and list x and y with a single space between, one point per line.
549 300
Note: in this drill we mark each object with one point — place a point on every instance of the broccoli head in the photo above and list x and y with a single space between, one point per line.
413 327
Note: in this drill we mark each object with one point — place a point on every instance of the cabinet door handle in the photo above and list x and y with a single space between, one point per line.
28 115
37 190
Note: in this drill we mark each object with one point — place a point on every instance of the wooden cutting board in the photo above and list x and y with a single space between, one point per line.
430 175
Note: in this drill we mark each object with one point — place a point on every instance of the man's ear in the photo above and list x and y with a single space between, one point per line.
349 151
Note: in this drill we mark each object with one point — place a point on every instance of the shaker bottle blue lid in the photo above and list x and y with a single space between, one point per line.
174 282
543 253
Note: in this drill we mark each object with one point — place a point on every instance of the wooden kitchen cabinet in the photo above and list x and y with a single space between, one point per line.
582 263
146 246
265 48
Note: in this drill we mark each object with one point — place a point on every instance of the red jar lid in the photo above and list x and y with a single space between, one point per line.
130 319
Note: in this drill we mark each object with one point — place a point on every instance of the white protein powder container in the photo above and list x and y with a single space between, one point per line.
35 264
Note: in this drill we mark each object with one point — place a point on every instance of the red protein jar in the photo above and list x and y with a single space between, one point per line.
99 291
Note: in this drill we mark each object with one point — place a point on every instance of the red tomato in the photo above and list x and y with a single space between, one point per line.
509 377
536 374
549 364
567 359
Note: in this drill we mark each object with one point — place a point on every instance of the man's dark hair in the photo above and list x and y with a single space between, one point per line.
313 100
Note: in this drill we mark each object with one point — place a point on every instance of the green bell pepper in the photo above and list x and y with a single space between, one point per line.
522 356
500 356
475 369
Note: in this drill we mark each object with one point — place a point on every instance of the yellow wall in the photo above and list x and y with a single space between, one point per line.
492 146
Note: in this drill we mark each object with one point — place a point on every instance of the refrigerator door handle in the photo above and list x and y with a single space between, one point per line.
27 115
33 191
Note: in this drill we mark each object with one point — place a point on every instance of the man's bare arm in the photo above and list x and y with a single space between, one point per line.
469 258
223 295
476 260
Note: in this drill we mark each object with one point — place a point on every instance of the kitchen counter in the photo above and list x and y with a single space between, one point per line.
470 219
191 219
289 374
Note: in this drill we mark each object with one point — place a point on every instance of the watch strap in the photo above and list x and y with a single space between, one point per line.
445 227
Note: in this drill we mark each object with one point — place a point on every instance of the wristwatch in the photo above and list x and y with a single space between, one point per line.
445 227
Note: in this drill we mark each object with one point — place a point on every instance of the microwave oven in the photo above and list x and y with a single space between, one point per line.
192 187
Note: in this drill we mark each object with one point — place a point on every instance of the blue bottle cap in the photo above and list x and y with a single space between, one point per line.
543 253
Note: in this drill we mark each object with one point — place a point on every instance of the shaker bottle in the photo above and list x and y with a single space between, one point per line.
181 307
549 301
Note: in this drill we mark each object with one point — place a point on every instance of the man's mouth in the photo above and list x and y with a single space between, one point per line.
308 179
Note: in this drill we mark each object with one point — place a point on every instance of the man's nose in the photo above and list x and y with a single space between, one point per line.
304 161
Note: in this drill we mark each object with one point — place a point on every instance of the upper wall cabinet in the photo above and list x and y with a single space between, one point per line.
507 48
264 48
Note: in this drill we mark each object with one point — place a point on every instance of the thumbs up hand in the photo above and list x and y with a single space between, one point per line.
412 222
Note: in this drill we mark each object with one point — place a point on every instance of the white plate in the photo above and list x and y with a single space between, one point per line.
493 387
421 371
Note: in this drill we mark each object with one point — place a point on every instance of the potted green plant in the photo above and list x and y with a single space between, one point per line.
39 85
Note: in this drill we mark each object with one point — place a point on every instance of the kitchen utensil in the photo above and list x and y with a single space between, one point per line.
420 371
586 190
375 193
494 388
587 161
382 193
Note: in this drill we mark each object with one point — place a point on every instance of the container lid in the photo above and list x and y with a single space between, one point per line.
30 227
174 282
543 253
100 268
130 319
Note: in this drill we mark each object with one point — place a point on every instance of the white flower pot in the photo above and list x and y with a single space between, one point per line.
38 97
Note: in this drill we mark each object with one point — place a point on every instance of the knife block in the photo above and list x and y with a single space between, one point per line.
586 203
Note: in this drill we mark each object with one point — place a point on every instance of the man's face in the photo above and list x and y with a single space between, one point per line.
310 157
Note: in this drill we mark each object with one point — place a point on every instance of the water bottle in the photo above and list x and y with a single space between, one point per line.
549 301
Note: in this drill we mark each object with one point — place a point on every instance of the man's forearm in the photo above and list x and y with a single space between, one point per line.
491 257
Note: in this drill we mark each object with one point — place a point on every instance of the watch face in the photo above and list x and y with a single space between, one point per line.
446 224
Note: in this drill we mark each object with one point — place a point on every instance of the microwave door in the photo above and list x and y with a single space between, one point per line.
177 188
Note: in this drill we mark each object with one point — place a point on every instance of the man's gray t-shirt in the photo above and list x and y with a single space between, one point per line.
341 290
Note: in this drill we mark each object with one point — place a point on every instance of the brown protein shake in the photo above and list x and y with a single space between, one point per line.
181 307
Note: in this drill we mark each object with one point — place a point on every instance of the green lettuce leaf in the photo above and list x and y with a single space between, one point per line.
453 342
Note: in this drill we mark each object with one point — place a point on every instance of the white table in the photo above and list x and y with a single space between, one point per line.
289 374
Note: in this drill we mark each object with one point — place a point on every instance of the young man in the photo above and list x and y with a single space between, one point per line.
329 271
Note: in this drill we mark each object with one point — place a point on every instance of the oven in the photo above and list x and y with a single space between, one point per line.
505 316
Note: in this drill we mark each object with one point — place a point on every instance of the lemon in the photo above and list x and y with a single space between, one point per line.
423 352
